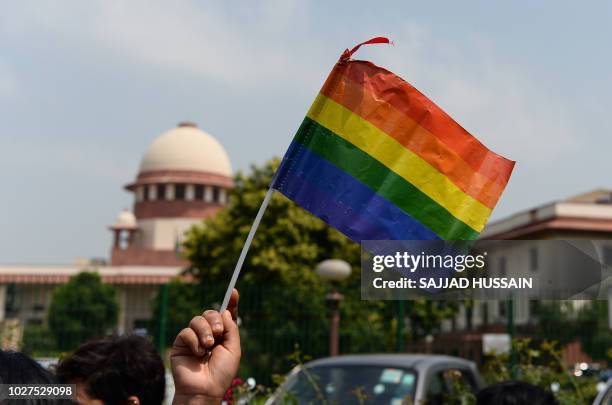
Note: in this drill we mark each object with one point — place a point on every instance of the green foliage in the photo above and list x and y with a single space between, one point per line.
425 315
541 365
538 364
287 246
185 303
461 393
82 309
592 329
38 341
564 322
282 298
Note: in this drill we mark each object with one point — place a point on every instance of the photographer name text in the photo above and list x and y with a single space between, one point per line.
428 283
412 264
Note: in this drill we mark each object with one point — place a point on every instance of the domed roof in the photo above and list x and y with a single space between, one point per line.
186 147
125 220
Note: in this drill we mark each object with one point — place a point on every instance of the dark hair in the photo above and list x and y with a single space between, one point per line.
17 368
515 393
114 368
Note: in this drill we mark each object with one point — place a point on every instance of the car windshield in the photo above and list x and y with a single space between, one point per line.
350 385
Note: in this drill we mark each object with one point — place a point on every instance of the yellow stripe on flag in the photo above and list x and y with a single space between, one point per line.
384 148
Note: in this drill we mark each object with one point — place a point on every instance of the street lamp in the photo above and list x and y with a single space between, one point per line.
333 270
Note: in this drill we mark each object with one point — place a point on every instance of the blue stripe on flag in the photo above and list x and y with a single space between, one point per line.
343 201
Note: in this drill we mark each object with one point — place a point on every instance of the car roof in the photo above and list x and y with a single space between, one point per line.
414 361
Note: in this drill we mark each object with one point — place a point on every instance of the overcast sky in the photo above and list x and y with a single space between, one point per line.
85 86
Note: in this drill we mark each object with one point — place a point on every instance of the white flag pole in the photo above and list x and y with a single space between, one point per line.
245 249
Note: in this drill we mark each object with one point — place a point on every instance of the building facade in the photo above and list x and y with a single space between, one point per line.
583 217
184 177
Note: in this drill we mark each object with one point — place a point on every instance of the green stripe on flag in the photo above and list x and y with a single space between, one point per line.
383 181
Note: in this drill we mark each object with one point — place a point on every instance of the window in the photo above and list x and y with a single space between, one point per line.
161 191
179 191
215 197
469 317
533 259
12 299
336 384
140 327
607 255
607 398
502 266
503 309
534 308
485 313
463 380
145 193
199 192
436 390
34 322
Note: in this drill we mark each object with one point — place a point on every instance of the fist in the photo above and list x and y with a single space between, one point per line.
205 356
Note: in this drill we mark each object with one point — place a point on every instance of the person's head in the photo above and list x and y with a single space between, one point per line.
515 393
115 370
17 368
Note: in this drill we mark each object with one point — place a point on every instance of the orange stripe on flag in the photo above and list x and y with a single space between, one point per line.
414 137
392 89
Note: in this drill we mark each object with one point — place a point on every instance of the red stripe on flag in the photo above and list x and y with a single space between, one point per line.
404 97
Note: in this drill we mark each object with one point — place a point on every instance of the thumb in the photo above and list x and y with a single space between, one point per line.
231 335
233 304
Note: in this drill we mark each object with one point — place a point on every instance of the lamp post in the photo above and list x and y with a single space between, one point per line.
333 270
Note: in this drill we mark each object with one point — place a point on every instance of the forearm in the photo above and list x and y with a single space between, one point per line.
196 400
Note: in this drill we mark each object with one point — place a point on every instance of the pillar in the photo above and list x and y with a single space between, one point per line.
140 193
121 319
117 241
208 194
190 192
2 302
610 308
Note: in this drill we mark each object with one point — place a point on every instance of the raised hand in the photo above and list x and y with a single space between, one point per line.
206 355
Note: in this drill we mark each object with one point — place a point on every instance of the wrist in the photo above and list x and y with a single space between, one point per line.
196 399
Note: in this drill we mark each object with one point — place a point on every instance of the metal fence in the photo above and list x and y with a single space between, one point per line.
274 326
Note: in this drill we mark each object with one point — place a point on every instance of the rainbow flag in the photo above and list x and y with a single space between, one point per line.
378 160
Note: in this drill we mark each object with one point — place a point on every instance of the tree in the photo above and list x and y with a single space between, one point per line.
565 322
183 303
38 341
282 299
82 309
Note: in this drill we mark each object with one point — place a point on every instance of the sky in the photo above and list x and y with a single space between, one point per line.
86 86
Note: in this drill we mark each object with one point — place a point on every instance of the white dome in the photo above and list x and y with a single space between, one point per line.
186 147
125 219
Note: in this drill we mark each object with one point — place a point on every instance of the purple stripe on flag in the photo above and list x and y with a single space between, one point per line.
343 201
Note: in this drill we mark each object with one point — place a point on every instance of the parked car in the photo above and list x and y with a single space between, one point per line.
47 362
605 395
378 379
